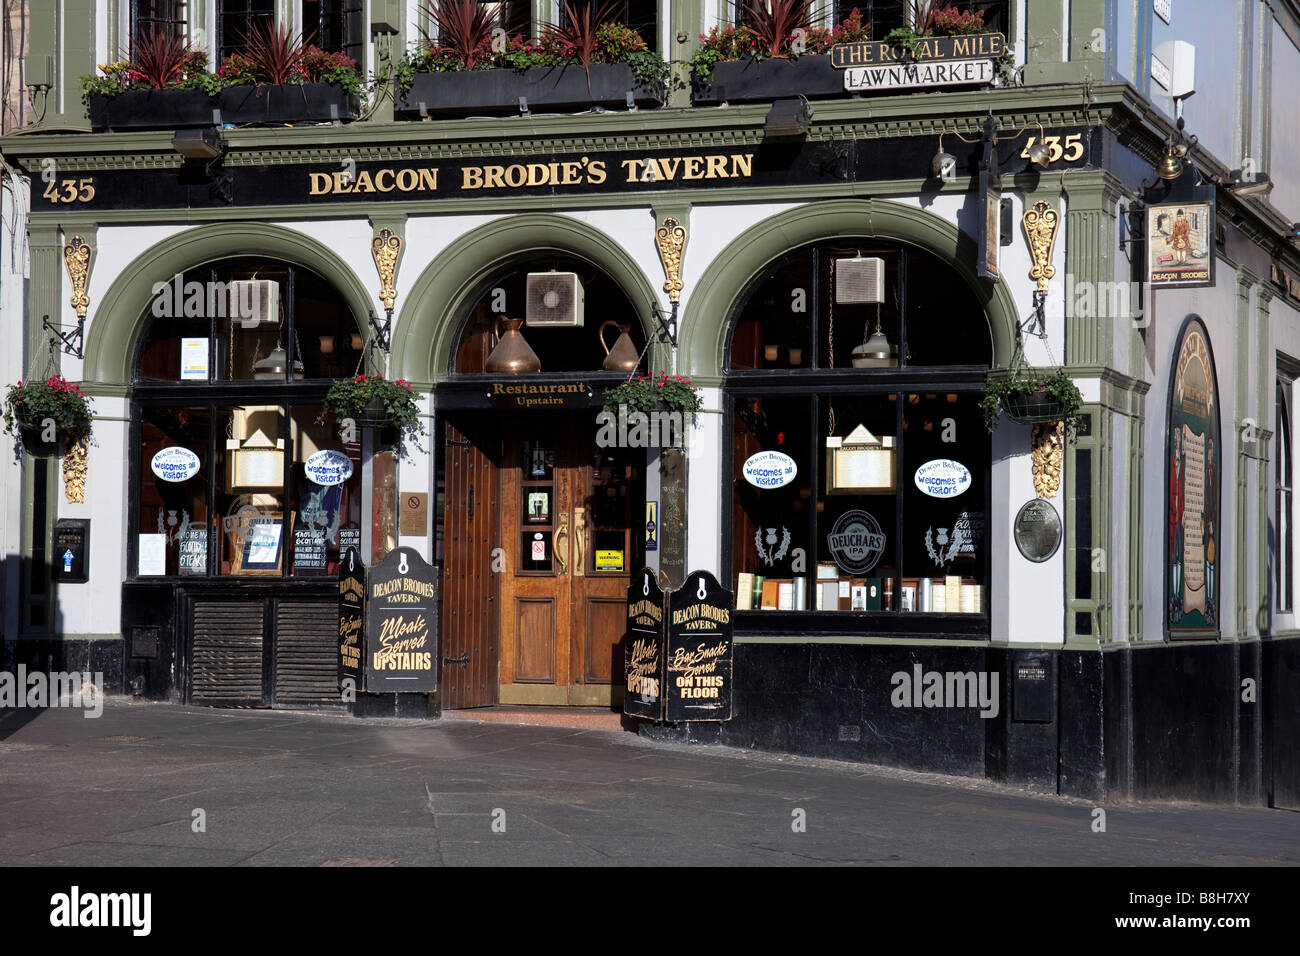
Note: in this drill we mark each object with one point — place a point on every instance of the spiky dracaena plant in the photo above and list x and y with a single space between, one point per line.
275 51
922 13
160 58
773 21
465 28
580 31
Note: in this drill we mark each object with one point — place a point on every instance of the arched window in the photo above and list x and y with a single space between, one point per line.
860 459
232 473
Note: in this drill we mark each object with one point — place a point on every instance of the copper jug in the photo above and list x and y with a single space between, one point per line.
622 357
512 353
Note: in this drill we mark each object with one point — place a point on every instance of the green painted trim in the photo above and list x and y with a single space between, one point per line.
111 337
1097 445
714 295
429 320
1242 362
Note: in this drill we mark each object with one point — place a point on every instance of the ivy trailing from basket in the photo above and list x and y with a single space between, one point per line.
1002 388
646 394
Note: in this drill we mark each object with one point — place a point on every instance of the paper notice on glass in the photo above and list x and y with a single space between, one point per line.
194 360
153 554
864 468
263 544
1193 521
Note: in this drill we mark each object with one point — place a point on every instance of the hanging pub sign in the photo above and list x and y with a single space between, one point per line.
1193 470
697 680
1180 244
401 638
644 660
352 589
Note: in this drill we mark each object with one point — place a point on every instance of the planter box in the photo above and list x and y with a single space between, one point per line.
563 88
151 109
288 103
745 81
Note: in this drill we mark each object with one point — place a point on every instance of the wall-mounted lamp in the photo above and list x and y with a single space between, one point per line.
944 165
1240 183
203 143
788 118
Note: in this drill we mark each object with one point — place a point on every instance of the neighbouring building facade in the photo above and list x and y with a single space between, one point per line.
836 250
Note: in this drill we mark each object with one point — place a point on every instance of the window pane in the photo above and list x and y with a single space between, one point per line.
943 530
771 523
250 483
946 324
774 329
326 496
174 525
235 21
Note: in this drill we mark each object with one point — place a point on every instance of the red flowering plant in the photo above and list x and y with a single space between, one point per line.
647 393
38 406
161 61
374 401
787 29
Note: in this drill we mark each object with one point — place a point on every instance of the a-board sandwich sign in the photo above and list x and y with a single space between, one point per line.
644 659
698 669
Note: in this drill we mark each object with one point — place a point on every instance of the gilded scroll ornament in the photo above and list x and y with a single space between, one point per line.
1040 225
76 256
671 240
75 462
386 247
1048 445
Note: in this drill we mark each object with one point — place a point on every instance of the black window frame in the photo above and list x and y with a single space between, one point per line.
149 14
819 385
341 17
232 24
216 395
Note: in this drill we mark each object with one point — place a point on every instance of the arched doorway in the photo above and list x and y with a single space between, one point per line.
538 518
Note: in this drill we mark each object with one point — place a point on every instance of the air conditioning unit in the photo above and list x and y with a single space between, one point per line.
553 300
859 281
254 302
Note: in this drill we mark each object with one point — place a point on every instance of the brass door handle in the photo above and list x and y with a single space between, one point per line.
562 550
579 540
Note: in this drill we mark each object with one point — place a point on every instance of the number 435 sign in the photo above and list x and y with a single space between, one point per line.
1068 148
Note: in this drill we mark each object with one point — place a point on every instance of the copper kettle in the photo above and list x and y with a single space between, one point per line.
512 353
623 356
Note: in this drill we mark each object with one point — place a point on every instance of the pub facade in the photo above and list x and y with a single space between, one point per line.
838 251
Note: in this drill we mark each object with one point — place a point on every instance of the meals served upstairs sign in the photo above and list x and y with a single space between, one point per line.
928 62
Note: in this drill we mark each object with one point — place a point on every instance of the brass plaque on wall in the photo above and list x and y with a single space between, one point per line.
415 512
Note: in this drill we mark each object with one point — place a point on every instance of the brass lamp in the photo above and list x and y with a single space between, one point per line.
1171 167
875 350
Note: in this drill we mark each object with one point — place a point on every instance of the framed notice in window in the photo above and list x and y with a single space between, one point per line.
260 551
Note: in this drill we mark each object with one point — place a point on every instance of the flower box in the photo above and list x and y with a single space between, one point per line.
288 103
562 88
151 109
750 80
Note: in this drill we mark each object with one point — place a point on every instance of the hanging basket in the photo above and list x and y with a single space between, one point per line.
374 415
1033 407
35 445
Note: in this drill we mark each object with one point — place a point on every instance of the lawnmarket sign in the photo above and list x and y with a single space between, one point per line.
933 62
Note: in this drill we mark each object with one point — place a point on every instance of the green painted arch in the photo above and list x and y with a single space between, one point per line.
429 321
708 311
111 339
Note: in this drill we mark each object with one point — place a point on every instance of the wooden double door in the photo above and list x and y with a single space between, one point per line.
545 550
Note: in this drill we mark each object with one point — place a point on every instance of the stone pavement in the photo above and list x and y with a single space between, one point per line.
310 789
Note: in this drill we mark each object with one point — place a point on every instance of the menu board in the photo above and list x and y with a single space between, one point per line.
309 549
644 660
401 642
194 551
697 684
352 589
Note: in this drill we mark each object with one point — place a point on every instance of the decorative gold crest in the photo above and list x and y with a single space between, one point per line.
386 247
76 256
1048 445
671 240
1040 225
75 463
